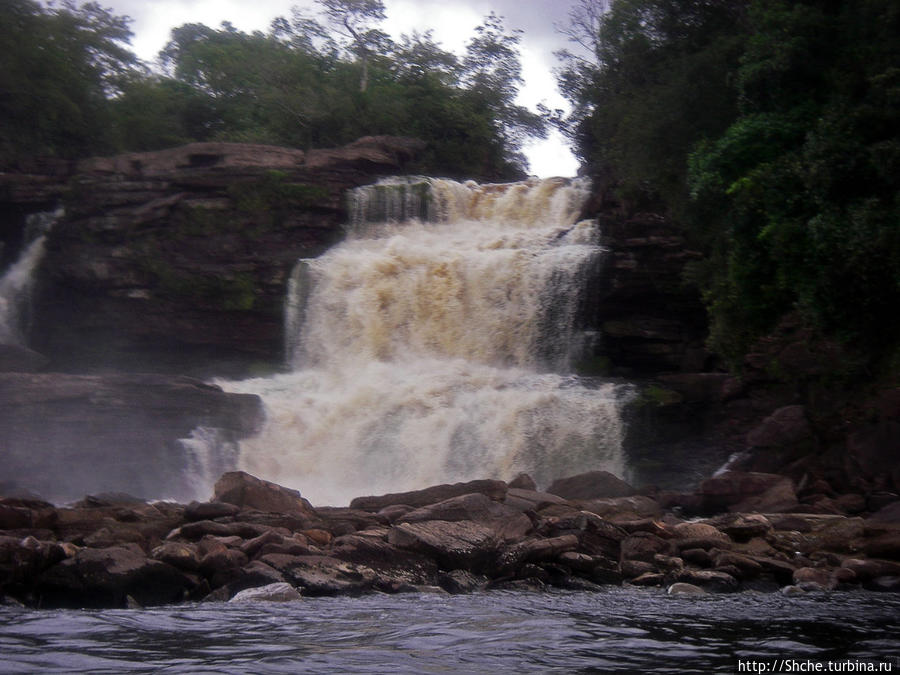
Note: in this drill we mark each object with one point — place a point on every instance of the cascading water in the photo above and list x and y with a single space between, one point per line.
432 346
16 283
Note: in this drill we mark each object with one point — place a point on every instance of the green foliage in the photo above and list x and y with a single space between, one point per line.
58 67
72 88
769 128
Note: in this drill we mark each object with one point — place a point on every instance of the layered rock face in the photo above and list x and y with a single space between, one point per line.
66 435
177 260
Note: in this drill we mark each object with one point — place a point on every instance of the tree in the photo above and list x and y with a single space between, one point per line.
58 67
354 20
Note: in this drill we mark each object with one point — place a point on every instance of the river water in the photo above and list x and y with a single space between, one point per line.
617 630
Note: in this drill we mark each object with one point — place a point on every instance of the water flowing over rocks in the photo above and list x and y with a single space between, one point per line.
106 552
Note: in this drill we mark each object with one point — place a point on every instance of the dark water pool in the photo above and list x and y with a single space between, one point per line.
619 630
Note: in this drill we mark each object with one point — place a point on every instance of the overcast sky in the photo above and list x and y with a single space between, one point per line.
453 23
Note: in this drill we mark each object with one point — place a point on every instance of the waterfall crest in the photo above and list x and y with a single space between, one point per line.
433 345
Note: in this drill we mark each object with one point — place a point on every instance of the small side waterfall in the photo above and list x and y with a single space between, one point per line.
16 283
433 345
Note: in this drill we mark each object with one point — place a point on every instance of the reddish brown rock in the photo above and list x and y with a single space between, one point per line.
644 546
249 492
107 577
495 489
730 488
454 545
591 485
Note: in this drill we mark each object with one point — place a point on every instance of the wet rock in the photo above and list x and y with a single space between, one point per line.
495 489
851 503
343 520
697 556
457 582
631 569
591 485
884 584
696 530
251 547
621 509
730 488
209 510
682 588
454 545
202 528
401 565
318 575
249 492
508 523
531 500
644 546
538 550
821 577
747 567
222 565
889 513
181 555
277 592
105 577
743 527
786 426
523 482
867 569
719 582
885 546
649 579
392 513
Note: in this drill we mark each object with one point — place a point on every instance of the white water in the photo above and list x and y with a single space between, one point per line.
16 283
437 351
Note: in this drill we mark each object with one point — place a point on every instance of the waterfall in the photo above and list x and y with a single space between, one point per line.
434 345
16 283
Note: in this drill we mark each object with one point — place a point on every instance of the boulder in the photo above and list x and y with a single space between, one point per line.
785 426
531 500
508 523
591 485
730 488
719 582
277 592
318 575
682 588
454 545
644 546
495 489
523 482
209 510
107 577
249 492
620 509
401 565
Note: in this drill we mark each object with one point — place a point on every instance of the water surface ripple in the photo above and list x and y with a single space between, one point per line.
619 630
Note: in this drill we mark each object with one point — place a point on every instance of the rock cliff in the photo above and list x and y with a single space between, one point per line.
177 260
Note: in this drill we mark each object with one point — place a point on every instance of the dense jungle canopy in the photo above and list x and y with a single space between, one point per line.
769 130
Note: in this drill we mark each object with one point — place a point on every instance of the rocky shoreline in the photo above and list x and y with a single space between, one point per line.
258 540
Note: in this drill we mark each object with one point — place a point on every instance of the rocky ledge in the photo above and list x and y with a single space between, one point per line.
258 540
